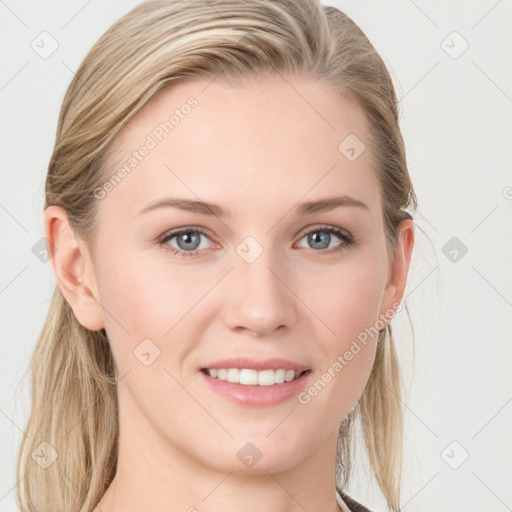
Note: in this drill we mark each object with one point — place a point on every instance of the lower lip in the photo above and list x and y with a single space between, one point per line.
257 396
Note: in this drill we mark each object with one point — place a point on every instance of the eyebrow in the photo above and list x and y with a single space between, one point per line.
205 208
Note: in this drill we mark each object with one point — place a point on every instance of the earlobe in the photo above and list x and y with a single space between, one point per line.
72 268
399 269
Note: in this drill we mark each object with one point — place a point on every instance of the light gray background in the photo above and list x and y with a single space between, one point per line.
456 116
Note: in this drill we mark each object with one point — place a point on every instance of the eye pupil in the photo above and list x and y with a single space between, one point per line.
321 238
188 238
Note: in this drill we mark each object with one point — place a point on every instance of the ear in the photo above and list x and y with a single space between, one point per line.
395 287
73 268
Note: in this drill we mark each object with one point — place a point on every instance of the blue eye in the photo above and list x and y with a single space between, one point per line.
321 236
188 240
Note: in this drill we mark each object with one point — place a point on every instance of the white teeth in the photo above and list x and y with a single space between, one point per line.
253 377
248 377
266 378
280 376
233 375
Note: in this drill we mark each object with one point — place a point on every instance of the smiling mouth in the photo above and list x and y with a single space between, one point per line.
250 377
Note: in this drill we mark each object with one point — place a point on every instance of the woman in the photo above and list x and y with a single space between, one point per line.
226 215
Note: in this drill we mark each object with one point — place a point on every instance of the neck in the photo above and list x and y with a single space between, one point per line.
153 474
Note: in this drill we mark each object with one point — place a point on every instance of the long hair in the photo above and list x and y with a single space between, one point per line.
74 412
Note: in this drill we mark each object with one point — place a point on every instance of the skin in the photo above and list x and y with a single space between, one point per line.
257 150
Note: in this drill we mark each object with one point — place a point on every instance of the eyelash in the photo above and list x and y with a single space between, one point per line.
346 237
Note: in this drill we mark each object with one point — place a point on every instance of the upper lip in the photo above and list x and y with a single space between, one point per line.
254 364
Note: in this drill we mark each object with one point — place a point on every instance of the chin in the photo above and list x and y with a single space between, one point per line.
255 455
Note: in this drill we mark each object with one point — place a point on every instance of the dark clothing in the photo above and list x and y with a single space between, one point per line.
352 504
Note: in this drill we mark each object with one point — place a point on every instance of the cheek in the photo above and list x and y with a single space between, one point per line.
145 301
349 306
350 300
145 296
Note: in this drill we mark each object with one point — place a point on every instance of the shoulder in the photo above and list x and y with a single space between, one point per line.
352 504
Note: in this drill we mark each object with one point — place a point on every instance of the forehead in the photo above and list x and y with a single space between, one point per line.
262 139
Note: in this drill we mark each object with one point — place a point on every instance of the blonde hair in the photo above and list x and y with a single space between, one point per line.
74 394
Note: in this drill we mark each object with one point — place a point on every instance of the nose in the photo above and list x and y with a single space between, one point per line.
259 297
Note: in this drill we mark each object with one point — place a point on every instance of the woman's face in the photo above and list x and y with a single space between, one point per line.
268 279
